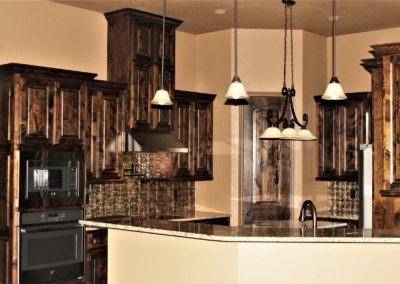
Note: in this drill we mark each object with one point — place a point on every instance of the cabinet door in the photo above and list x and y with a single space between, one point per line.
183 123
110 136
169 46
328 156
96 270
202 140
70 110
354 133
341 129
36 110
104 134
92 138
143 41
141 96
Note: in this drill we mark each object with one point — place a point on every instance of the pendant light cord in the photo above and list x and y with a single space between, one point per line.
235 22
334 39
163 44
291 45
285 48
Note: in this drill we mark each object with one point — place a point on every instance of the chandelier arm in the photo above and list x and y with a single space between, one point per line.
304 125
282 117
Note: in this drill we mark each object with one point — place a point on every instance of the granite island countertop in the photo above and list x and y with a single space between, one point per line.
181 226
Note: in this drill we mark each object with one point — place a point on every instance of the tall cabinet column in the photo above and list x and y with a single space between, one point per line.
385 71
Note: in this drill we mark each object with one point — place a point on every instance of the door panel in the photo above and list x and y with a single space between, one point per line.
266 165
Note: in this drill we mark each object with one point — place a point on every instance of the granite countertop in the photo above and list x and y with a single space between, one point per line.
248 233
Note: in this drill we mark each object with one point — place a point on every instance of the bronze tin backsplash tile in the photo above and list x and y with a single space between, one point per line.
137 198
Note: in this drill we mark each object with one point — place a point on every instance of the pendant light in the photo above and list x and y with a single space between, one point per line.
162 98
289 132
236 91
334 91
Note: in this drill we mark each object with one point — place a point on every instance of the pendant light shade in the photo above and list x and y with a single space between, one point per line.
162 98
334 91
236 89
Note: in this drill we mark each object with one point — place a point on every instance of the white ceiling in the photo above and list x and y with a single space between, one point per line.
310 15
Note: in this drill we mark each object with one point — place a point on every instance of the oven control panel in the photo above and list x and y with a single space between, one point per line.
45 217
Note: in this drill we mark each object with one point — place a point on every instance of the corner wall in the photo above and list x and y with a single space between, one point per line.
314 84
350 49
54 35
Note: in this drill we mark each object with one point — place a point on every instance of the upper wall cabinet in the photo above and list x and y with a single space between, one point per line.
47 105
104 128
134 58
385 74
193 125
341 128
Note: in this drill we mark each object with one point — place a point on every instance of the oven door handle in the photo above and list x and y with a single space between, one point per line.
48 228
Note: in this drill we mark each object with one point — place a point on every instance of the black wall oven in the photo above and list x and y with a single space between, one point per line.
50 179
51 246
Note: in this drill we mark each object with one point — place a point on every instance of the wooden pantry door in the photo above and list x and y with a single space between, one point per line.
266 170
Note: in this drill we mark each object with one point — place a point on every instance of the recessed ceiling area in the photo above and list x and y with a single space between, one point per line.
310 15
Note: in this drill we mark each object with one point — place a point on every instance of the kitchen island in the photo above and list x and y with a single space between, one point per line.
146 250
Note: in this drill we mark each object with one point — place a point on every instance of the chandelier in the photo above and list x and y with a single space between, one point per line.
288 119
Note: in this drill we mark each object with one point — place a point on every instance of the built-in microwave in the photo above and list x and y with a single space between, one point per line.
50 179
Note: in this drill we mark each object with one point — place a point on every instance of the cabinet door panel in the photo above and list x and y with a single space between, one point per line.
143 41
69 112
142 95
327 141
92 141
36 108
182 129
110 137
203 140
38 111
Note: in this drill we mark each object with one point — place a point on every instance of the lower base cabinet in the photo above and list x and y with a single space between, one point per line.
96 257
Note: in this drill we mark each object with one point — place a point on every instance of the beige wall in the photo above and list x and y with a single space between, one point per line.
185 61
314 84
260 69
213 75
350 50
54 35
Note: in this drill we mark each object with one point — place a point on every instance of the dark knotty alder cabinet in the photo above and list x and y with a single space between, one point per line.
341 128
134 58
50 103
193 125
96 257
385 72
54 109
104 131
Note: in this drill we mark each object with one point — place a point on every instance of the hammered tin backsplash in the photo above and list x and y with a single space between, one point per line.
136 197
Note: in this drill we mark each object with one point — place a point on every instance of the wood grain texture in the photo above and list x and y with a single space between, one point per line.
266 164
340 129
193 125
384 69
134 47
